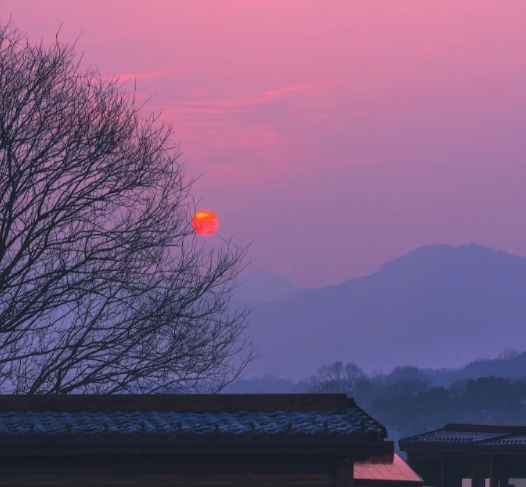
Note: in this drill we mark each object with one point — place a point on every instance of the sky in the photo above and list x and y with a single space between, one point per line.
331 136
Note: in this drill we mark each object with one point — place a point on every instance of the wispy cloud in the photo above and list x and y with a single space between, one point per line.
157 73
297 89
249 138
147 75
235 103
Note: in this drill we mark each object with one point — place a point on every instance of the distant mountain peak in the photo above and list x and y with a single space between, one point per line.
437 306
430 256
264 286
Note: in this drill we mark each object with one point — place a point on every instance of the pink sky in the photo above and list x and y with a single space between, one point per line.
334 136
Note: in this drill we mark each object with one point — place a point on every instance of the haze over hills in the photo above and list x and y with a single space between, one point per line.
438 306
510 364
264 286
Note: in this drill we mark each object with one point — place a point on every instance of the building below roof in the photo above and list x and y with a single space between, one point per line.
494 454
199 440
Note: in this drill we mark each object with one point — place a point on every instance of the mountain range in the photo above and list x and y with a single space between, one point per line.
263 287
436 307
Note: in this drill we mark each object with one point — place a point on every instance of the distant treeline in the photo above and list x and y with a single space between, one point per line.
411 400
483 400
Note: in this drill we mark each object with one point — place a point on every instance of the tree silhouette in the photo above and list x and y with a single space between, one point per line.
103 286
348 378
407 380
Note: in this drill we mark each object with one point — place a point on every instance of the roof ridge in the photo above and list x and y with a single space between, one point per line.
421 434
177 402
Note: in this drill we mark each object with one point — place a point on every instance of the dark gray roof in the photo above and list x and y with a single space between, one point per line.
349 422
444 436
476 436
291 415
506 440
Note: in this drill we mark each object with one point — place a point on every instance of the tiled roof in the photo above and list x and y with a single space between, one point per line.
386 468
348 422
507 440
444 436
470 435
291 415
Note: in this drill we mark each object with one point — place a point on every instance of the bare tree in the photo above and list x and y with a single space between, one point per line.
103 286
348 378
407 380
509 354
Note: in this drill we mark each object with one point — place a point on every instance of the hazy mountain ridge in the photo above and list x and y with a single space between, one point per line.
510 368
438 306
263 286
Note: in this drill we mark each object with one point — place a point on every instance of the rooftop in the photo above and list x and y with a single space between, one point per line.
185 419
478 436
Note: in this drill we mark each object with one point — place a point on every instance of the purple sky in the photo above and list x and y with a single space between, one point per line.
333 135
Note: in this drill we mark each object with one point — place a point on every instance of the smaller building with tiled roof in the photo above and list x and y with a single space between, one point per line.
496 452
212 440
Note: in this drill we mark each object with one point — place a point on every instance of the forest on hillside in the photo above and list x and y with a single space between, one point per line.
483 400
411 400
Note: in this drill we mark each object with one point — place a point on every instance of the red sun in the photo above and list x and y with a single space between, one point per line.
205 223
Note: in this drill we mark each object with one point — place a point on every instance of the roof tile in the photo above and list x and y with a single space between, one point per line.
488 435
347 422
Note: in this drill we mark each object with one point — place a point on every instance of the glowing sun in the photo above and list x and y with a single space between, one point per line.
205 223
